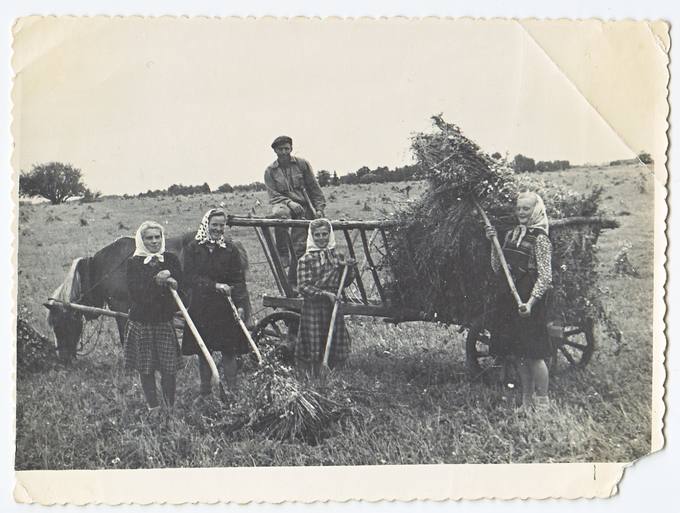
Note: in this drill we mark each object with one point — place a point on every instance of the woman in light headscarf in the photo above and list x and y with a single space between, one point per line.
215 269
522 330
150 342
319 273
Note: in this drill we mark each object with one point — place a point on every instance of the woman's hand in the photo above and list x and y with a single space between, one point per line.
491 232
524 309
343 260
171 282
296 208
162 277
240 312
223 288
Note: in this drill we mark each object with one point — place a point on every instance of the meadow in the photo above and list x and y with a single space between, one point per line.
414 403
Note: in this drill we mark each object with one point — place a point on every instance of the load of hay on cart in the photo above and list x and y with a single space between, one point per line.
375 293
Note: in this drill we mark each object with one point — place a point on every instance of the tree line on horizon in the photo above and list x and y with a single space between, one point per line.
58 182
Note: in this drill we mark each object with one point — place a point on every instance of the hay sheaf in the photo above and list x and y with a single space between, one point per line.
440 258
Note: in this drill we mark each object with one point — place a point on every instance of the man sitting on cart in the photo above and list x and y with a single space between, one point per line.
294 193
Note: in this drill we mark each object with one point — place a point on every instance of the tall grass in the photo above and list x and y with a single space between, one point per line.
414 402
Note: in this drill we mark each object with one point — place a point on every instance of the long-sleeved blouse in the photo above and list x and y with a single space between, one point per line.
317 273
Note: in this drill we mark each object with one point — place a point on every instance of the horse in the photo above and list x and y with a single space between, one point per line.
100 281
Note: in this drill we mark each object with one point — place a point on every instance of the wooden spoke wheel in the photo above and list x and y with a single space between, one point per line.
575 347
478 358
483 365
278 329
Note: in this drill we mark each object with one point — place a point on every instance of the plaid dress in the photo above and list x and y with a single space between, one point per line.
151 347
321 271
150 338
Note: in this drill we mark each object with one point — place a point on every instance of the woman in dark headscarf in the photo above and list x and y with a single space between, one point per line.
150 341
214 270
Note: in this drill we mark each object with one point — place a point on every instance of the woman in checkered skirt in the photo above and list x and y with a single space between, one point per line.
150 341
319 272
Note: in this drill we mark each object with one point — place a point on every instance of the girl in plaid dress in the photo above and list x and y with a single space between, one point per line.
150 341
319 272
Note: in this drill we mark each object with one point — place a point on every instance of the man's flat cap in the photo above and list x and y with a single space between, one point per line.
282 139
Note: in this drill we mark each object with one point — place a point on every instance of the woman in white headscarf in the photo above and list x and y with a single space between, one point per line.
150 341
319 273
522 330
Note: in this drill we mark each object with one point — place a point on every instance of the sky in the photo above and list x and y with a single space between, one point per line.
140 104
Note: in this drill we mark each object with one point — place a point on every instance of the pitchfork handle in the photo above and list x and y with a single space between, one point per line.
329 338
499 252
245 330
215 378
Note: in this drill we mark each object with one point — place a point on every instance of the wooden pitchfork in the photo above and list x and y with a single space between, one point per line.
245 330
501 257
331 327
215 374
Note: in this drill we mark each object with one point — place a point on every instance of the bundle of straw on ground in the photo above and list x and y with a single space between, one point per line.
440 258
35 352
284 408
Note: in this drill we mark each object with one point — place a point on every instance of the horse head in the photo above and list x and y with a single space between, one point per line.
66 323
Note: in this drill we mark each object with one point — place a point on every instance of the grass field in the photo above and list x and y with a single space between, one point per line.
417 404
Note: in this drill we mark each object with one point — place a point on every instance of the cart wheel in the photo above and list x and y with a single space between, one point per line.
477 357
482 365
576 346
278 329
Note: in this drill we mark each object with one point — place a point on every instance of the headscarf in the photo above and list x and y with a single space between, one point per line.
203 233
538 219
140 248
311 245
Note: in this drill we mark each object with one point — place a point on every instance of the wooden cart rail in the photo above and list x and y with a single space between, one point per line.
361 238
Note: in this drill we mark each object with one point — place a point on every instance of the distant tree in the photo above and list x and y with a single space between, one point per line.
368 178
645 158
90 196
496 156
323 177
335 180
225 187
523 164
349 178
205 188
362 171
54 181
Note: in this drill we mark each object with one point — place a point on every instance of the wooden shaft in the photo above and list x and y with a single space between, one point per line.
352 254
233 220
278 266
331 327
369 260
89 309
269 259
309 202
499 252
364 264
258 232
245 330
204 349
292 263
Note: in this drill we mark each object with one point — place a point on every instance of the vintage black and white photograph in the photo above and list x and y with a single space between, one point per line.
255 243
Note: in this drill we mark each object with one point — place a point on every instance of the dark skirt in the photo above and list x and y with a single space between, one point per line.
526 337
314 324
221 334
150 347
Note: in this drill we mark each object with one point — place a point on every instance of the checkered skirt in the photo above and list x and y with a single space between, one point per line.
150 347
314 324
